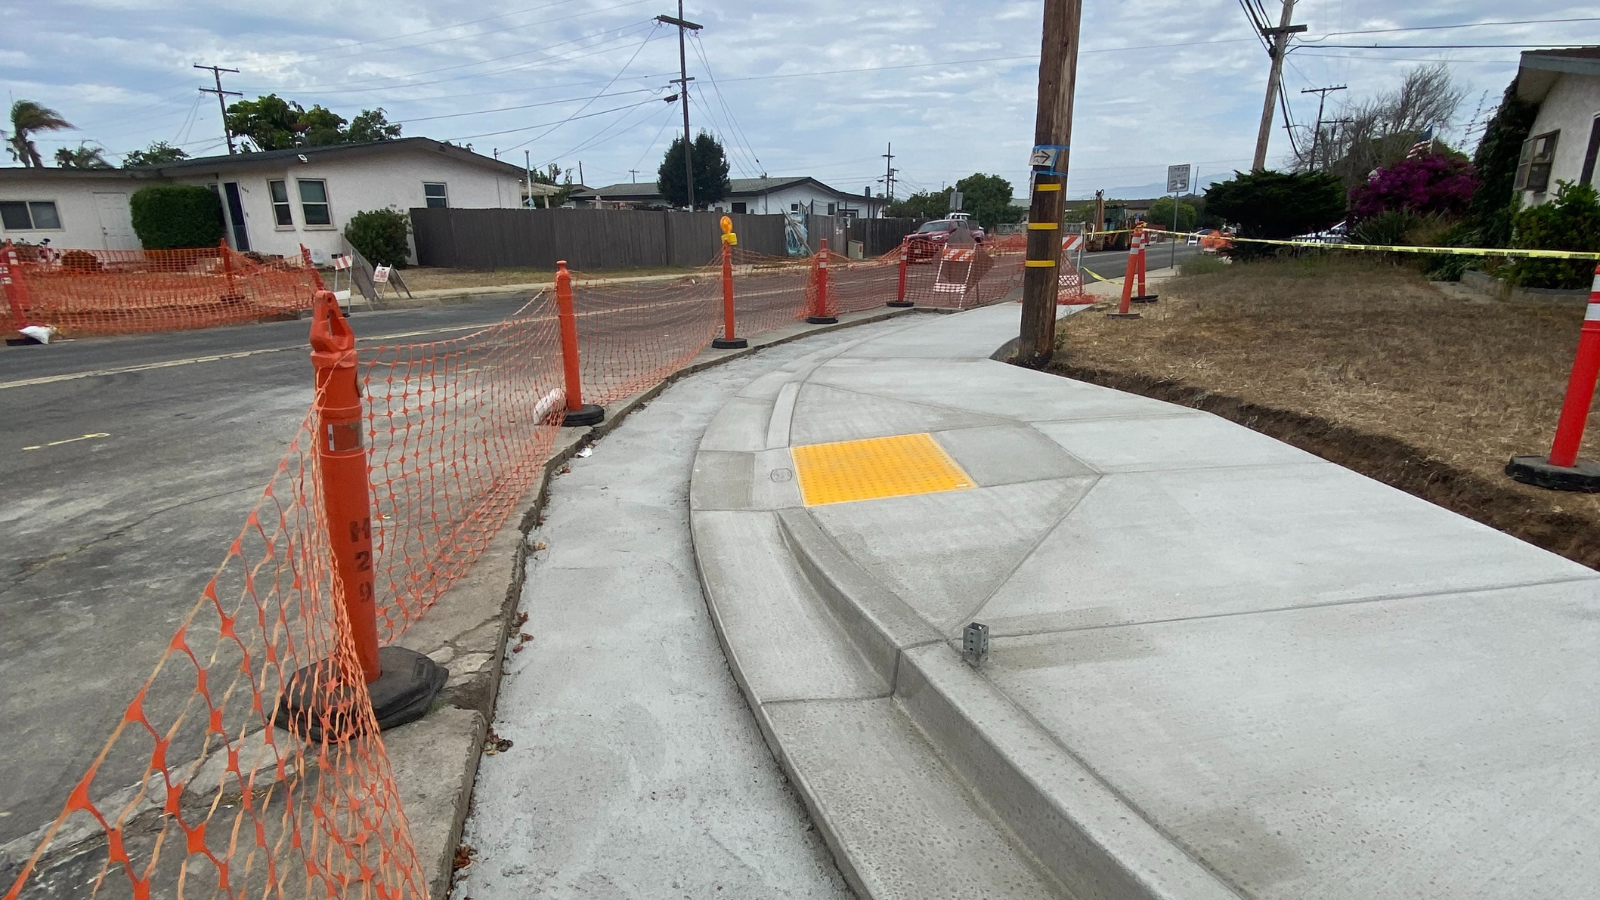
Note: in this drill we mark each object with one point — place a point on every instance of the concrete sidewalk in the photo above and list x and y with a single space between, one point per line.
1220 667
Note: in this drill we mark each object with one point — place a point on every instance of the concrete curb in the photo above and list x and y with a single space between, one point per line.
435 760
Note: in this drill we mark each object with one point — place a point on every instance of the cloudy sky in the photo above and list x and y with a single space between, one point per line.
818 88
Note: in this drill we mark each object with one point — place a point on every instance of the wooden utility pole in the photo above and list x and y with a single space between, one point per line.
222 95
682 81
1280 46
1316 136
1052 133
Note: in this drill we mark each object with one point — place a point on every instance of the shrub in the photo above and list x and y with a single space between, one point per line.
1276 205
1569 222
380 236
176 217
79 261
1436 183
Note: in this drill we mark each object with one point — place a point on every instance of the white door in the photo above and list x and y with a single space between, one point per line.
116 222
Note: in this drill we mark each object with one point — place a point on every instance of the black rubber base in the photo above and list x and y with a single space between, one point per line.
1145 298
729 343
589 414
900 304
1583 478
821 320
22 341
313 698
1123 316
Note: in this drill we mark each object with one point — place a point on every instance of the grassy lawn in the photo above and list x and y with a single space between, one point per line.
429 278
1367 365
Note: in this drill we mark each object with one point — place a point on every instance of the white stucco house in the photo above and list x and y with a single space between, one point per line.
272 202
797 194
1565 138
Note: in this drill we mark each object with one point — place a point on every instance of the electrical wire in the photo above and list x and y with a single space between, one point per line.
722 98
1330 34
601 136
636 52
480 112
737 157
1442 46
656 139
572 118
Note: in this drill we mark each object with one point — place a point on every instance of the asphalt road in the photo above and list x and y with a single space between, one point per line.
128 466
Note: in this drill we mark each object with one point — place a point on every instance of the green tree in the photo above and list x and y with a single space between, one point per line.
176 216
710 173
369 126
268 122
988 199
157 154
553 175
84 157
320 127
28 119
921 205
1494 202
1160 215
1276 205
1571 221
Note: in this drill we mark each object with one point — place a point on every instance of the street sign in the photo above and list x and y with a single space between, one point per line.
1048 158
1178 179
380 275
955 201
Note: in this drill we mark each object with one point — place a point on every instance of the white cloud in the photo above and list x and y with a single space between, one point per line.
121 70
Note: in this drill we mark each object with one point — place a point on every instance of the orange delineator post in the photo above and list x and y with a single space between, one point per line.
1127 283
342 464
1141 244
905 254
819 315
227 269
1581 386
578 413
728 341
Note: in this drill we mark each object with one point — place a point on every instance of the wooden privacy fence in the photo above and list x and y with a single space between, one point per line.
588 239
876 236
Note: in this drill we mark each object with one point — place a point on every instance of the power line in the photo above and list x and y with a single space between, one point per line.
1448 27
573 118
1441 46
700 50
585 106
480 112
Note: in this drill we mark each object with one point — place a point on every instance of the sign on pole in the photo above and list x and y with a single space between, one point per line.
1178 179
955 201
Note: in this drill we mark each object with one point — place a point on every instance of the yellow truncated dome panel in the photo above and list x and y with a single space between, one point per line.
877 467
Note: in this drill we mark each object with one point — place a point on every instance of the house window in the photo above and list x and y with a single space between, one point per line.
739 207
29 215
794 207
832 208
314 202
1538 155
435 195
1589 156
280 203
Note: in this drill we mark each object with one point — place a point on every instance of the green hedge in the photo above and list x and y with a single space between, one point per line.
178 216
380 236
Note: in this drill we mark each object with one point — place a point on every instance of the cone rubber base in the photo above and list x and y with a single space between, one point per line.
900 304
1146 298
588 414
314 697
1582 478
1123 316
729 343
822 320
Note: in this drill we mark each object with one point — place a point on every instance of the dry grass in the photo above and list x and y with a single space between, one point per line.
1371 366
430 278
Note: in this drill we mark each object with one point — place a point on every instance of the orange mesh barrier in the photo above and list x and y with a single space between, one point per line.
197 793
90 292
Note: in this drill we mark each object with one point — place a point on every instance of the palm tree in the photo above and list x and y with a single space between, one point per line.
85 157
27 119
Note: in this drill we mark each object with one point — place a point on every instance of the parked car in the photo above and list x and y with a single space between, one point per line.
1336 234
929 240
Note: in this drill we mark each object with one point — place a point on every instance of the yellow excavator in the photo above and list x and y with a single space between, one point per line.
1108 228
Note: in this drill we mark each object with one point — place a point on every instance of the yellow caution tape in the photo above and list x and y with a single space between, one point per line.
1385 248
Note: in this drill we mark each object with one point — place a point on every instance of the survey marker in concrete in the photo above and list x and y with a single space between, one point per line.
634 768
1218 666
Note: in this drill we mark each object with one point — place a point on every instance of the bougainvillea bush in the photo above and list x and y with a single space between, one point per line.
1432 184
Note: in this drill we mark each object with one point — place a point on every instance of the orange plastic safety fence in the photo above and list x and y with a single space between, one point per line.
90 292
633 334
770 292
459 431
197 794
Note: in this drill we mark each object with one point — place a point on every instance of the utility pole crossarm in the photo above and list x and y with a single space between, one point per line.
682 81
222 95
1280 45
